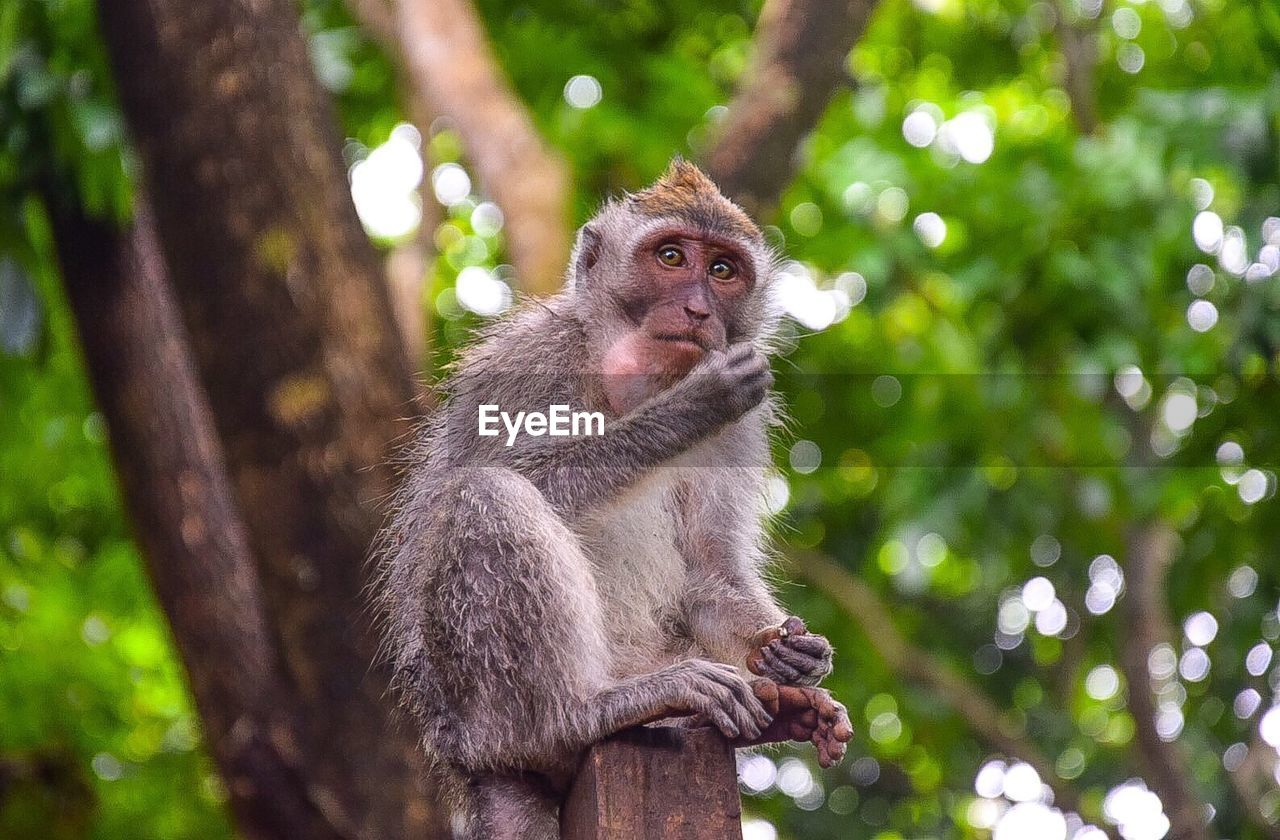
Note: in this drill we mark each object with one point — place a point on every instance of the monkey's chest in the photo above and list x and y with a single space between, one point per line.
640 575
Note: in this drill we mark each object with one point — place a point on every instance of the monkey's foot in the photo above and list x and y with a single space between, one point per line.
789 654
803 713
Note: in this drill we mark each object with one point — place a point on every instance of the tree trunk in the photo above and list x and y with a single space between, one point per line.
1078 44
295 344
185 520
801 51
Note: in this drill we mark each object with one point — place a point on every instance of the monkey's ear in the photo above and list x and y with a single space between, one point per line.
586 253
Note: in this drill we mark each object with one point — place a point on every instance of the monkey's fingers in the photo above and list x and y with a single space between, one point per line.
831 748
792 626
793 699
815 646
809 669
742 351
748 707
766 691
713 360
755 659
721 720
830 711
749 369
833 732
777 668
836 719
722 696
830 729
744 362
808 720
830 752
778 728
795 717
800 731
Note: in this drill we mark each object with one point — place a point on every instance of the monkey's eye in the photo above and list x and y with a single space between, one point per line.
722 270
670 255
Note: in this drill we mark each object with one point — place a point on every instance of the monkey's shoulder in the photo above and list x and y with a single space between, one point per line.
526 361
535 335
537 349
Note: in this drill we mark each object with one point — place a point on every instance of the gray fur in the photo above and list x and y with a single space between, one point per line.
540 597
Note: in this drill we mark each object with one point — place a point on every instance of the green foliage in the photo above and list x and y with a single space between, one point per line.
957 433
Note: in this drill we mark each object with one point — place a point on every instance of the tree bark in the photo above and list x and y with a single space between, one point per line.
185 519
447 57
800 59
295 344
655 783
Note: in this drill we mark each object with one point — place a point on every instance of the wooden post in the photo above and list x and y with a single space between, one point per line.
655 783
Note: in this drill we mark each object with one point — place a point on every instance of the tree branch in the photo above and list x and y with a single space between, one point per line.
453 70
406 265
406 268
379 22
800 58
1151 550
1252 780
1077 41
919 666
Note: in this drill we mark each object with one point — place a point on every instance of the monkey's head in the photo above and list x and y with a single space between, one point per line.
668 274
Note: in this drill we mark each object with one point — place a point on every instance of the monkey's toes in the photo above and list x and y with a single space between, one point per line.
833 731
803 713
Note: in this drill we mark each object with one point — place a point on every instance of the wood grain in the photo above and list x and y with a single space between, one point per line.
656 783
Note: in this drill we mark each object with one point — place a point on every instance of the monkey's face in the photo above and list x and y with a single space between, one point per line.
685 291
686 288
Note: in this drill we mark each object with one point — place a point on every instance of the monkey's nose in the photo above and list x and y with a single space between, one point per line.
696 313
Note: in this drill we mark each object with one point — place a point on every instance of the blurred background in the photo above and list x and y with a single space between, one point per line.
1030 353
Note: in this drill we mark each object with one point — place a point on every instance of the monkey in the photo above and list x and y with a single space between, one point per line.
539 596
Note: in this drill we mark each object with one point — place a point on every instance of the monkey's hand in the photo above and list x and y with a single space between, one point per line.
790 654
726 384
803 713
715 694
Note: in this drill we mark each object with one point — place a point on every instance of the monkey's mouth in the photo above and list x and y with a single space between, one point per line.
687 341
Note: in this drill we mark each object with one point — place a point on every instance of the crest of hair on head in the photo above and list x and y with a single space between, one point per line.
686 193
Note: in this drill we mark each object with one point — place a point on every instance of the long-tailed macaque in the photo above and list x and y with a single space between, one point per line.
543 591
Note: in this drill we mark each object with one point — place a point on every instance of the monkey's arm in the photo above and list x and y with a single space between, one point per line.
576 474
731 612
728 602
